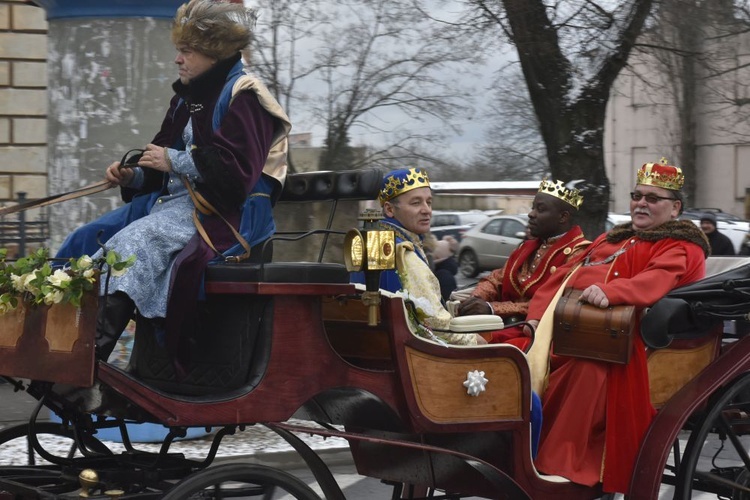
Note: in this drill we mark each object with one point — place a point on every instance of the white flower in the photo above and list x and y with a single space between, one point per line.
85 262
58 278
18 282
53 297
27 286
90 275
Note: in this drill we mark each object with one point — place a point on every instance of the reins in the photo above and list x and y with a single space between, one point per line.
89 189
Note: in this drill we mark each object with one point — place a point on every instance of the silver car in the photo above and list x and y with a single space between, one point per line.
454 223
487 245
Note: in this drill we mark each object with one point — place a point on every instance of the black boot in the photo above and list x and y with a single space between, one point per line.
115 311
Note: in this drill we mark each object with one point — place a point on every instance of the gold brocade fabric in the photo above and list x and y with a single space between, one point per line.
530 265
424 290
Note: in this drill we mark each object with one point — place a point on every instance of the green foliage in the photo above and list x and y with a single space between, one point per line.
33 280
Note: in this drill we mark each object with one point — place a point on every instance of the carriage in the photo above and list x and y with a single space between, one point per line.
276 341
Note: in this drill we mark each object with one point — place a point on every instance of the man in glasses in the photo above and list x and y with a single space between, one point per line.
596 413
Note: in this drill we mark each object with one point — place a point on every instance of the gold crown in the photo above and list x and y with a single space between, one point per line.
399 182
571 196
661 175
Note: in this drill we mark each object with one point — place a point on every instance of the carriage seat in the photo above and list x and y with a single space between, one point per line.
238 357
277 272
693 310
684 329
307 187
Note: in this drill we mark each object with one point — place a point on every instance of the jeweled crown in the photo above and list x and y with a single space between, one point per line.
400 181
569 195
661 175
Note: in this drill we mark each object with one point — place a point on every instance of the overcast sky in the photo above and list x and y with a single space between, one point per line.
457 145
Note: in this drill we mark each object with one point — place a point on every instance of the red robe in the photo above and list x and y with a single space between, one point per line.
509 296
596 413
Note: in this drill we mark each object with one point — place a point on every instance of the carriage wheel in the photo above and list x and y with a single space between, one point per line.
716 458
240 480
16 454
57 438
468 263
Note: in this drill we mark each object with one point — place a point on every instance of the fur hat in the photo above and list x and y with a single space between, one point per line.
216 28
441 252
453 242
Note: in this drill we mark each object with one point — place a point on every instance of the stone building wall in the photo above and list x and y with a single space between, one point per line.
23 100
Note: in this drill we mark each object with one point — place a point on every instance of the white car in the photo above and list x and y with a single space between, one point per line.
735 230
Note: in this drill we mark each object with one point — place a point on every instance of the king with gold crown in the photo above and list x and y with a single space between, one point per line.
406 198
636 263
554 240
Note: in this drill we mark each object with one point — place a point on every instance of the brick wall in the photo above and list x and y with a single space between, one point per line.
23 100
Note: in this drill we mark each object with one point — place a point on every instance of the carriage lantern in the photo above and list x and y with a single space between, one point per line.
370 250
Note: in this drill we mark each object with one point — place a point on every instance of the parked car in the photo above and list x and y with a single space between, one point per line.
696 213
454 223
488 244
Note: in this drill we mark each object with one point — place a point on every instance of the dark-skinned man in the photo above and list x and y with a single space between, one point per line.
555 240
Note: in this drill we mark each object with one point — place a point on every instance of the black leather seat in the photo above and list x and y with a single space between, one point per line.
278 272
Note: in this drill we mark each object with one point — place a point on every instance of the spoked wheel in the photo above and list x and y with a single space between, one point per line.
468 264
56 438
21 464
240 480
716 458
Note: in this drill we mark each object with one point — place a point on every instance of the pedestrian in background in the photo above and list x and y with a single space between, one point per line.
720 243
445 265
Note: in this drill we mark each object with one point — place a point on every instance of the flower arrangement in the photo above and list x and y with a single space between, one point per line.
34 280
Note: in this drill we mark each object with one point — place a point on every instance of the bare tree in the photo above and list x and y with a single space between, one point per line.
674 56
514 149
570 52
690 65
279 57
364 68
386 66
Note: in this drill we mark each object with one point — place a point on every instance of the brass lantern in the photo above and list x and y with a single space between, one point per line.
371 250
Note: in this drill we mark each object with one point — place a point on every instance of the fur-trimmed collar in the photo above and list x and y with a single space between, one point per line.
209 81
676 229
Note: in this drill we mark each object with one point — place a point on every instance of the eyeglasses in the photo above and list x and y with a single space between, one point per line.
651 199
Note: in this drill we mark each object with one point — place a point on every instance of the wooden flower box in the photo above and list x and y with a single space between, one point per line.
51 343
